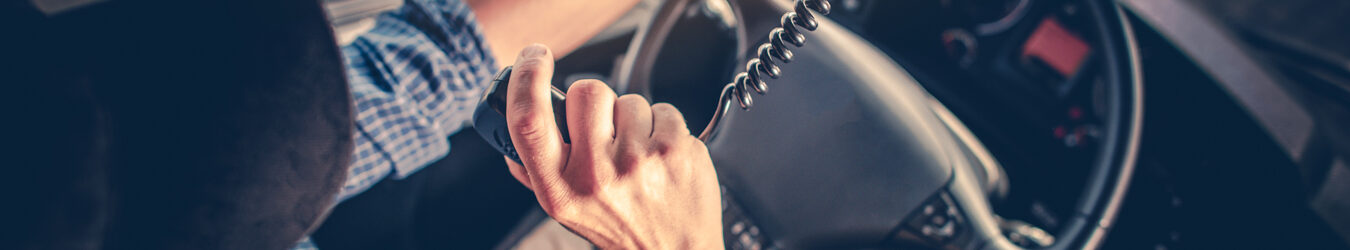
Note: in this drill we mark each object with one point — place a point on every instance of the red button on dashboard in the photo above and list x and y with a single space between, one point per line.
1057 47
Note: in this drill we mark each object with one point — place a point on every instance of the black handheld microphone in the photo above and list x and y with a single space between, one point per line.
490 116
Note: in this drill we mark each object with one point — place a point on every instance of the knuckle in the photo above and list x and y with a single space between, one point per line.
632 100
681 173
697 145
528 129
671 113
666 146
630 154
679 145
628 149
693 142
665 108
629 159
528 67
589 89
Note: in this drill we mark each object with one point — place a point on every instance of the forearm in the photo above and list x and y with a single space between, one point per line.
563 25
415 79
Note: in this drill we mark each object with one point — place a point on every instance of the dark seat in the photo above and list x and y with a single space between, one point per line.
171 124
466 200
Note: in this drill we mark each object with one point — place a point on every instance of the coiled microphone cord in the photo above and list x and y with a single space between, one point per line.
767 56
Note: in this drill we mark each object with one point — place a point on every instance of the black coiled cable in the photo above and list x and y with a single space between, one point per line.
752 80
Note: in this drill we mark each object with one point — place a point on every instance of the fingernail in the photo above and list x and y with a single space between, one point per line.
534 51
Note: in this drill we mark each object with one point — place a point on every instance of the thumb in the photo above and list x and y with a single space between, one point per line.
529 115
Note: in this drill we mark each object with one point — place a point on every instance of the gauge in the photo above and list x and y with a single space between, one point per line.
960 45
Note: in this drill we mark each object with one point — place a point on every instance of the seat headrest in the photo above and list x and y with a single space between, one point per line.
176 124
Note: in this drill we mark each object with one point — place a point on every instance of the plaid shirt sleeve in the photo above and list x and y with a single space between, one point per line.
415 78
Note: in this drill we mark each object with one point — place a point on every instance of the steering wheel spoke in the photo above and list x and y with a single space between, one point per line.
958 216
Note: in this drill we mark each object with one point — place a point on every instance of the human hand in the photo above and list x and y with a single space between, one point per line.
633 176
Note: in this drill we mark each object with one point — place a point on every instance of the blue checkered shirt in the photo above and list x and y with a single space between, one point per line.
415 78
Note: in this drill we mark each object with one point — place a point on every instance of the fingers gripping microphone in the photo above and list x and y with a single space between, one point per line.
490 116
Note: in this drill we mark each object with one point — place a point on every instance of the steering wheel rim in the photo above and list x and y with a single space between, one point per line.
636 66
1112 168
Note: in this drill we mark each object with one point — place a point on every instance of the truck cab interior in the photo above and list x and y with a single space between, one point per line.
930 124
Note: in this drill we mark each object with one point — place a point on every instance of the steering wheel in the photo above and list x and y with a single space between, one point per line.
848 150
